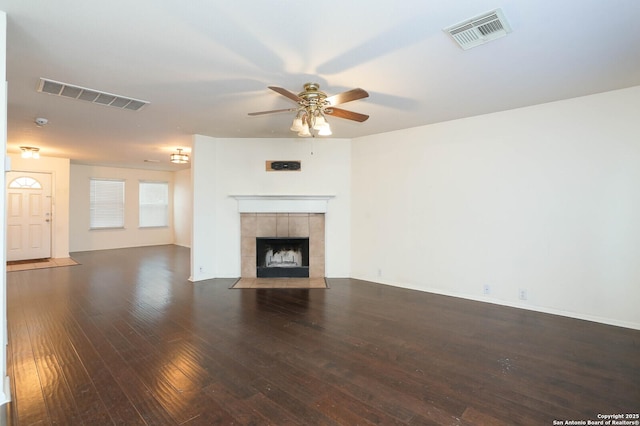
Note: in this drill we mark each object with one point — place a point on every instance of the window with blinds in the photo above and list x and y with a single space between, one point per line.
154 204
106 203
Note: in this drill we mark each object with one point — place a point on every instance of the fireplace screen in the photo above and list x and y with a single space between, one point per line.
282 257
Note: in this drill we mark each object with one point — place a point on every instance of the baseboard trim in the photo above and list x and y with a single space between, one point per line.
5 395
541 309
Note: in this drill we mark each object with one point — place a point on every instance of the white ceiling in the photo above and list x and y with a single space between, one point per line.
204 64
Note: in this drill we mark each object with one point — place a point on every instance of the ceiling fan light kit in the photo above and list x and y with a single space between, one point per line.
304 130
296 126
325 130
320 123
313 107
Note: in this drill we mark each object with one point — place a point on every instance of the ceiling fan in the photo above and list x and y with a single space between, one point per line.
313 107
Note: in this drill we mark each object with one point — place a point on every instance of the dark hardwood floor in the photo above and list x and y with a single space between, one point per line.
124 338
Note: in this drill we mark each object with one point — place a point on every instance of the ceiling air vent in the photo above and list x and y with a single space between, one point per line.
94 96
479 30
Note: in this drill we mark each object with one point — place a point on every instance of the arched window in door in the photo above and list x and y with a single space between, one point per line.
25 182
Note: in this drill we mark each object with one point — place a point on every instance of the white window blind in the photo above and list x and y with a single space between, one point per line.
106 203
154 204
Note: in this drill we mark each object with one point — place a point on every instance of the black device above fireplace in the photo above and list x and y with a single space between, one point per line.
282 257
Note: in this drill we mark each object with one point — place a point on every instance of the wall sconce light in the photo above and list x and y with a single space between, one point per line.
179 157
30 152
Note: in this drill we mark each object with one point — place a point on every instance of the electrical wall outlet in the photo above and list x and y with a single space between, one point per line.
486 289
522 294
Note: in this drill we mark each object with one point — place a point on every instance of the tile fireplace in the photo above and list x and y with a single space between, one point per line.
282 244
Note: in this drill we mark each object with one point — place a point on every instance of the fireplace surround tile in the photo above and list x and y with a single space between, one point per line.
316 247
248 267
300 225
248 247
282 225
249 224
316 266
265 225
316 225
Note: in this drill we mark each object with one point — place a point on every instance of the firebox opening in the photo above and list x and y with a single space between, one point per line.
282 257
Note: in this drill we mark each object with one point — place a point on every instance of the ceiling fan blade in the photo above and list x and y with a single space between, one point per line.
273 111
285 92
343 113
348 96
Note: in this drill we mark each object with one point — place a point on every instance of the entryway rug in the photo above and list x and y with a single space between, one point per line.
26 265
259 283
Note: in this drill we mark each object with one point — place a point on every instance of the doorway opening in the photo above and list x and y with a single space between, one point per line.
29 216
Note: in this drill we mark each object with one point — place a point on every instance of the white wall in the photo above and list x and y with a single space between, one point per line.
59 170
83 239
182 209
5 392
545 198
204 226
224 167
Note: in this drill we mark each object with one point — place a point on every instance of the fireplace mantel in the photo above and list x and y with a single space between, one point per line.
282 203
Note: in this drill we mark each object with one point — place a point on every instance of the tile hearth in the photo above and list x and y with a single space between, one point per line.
297 283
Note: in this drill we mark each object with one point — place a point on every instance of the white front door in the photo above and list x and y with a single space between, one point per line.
28 215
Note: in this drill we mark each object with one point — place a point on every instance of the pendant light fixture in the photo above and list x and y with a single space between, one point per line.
179 157
30 152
